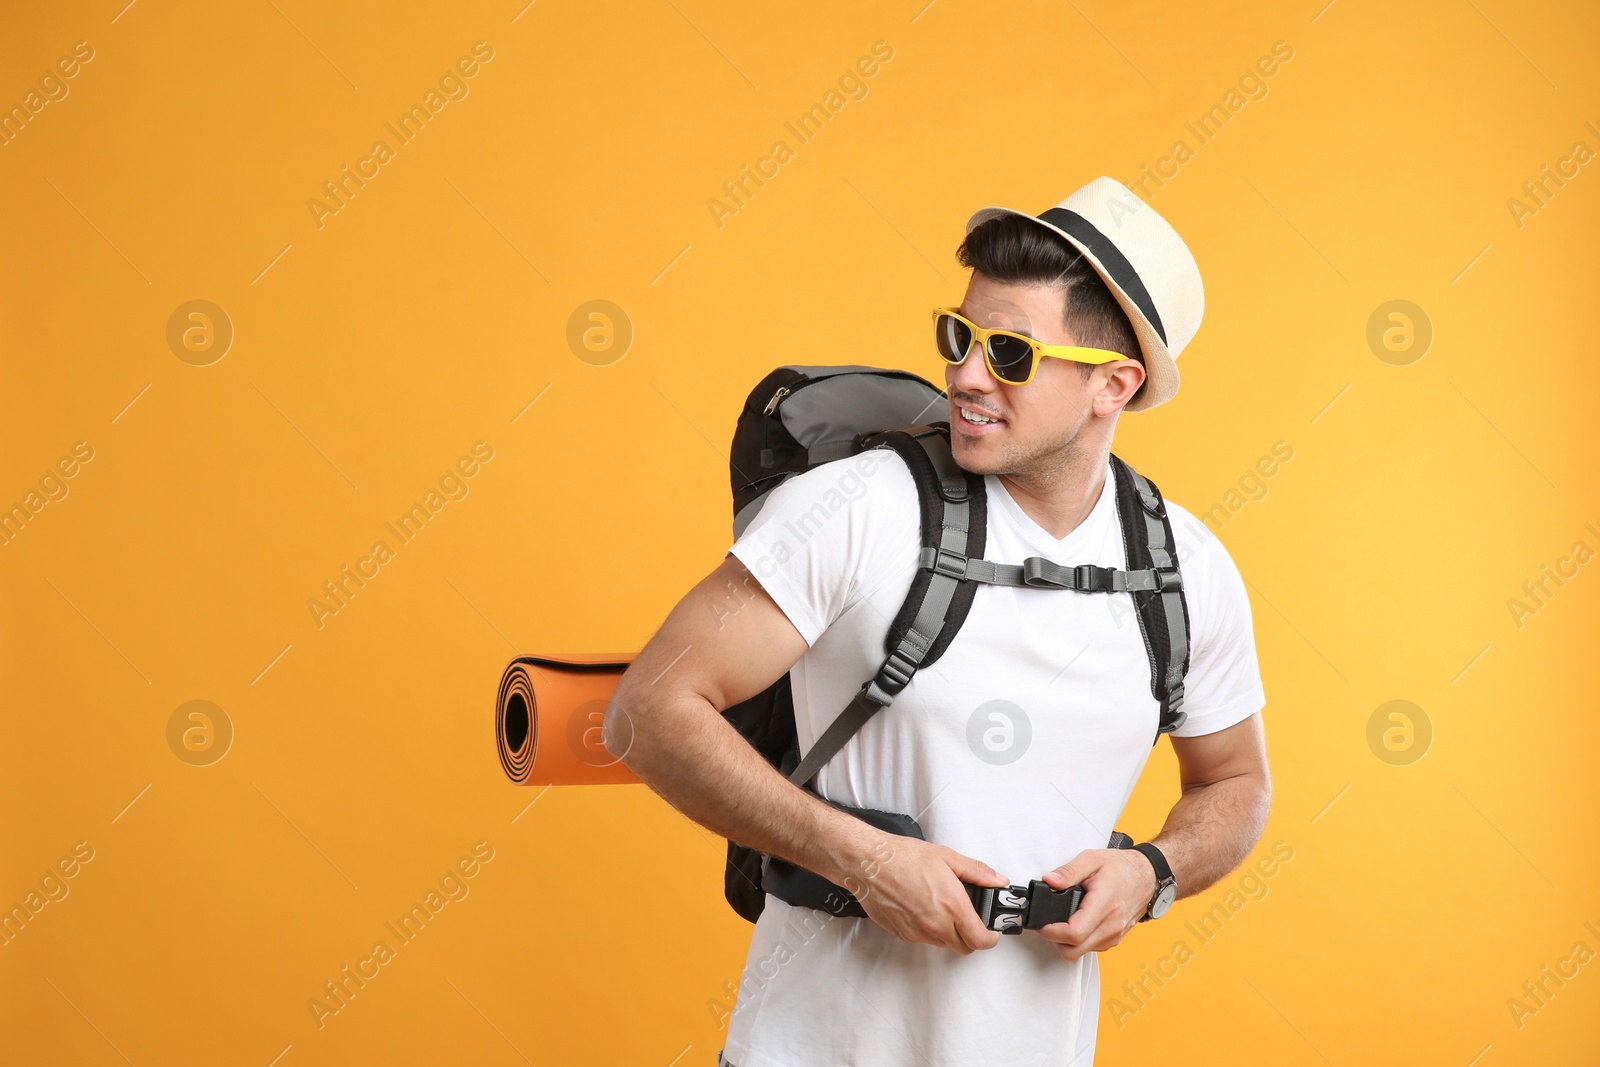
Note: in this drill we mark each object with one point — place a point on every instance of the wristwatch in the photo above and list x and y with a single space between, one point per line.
1166 884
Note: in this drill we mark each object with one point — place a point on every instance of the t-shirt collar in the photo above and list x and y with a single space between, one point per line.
1038 536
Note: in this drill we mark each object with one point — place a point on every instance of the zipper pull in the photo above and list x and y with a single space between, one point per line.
772 405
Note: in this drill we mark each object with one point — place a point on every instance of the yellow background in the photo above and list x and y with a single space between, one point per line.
427 314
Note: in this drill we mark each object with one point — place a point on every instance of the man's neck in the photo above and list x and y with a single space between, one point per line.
1060 497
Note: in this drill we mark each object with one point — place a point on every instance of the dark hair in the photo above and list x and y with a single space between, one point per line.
1012 250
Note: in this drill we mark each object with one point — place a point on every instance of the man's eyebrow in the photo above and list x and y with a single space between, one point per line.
1013 329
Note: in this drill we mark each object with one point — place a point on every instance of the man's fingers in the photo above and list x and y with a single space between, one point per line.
1073 872
970 931
1084 932
975 871
920 897
1104 918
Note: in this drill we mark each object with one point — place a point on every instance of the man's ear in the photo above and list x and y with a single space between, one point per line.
1118 380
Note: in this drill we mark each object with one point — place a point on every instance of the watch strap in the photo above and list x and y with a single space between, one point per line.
1158 861
1163 871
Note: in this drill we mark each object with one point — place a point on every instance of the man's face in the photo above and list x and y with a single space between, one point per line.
1039 422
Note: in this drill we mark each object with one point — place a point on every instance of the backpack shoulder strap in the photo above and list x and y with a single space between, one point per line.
1162 610
954 526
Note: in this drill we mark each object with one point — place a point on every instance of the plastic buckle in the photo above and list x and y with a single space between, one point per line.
951 563
1014 908
1091 579
1002 908
1169 580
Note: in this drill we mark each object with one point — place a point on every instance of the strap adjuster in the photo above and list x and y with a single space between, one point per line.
950 563
1169 580
1084 577
1171 717
894 675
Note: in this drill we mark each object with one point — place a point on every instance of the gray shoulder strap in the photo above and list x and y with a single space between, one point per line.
951 514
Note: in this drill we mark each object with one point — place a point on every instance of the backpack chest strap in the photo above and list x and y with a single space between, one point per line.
1039 573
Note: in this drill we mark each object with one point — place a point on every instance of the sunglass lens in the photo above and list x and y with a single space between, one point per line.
1010 358
952 337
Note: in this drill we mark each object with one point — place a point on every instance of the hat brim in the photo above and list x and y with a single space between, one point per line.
1161 370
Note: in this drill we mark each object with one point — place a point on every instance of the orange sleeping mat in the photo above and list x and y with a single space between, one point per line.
548 718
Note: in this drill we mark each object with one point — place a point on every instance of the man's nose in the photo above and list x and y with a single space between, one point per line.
972 374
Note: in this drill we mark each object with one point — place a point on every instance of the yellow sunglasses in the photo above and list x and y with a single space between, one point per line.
1012 357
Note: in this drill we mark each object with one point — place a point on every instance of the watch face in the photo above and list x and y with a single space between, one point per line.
1163 901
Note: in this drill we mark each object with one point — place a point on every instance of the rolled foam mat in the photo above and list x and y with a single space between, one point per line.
548 718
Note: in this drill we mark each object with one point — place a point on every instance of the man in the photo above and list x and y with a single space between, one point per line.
1019 748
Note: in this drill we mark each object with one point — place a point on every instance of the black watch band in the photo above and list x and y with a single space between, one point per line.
1166 885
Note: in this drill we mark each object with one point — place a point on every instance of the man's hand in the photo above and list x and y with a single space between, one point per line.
1118 884
913 889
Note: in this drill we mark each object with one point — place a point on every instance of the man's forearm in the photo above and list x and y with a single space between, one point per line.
684 750
1212 828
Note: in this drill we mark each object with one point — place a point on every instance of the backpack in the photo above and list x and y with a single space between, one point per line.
799 417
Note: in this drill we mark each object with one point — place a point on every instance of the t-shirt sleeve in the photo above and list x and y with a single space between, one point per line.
1223 685
813 546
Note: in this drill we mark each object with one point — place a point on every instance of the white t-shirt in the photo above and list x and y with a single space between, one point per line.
1020 747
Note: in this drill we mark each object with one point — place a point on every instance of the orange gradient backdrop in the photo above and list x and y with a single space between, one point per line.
419 327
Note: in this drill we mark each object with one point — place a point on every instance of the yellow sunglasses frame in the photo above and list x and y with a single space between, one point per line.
980 336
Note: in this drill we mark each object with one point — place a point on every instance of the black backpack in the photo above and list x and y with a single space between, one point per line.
799 417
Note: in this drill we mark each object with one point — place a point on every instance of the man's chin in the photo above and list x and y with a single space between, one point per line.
979 455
